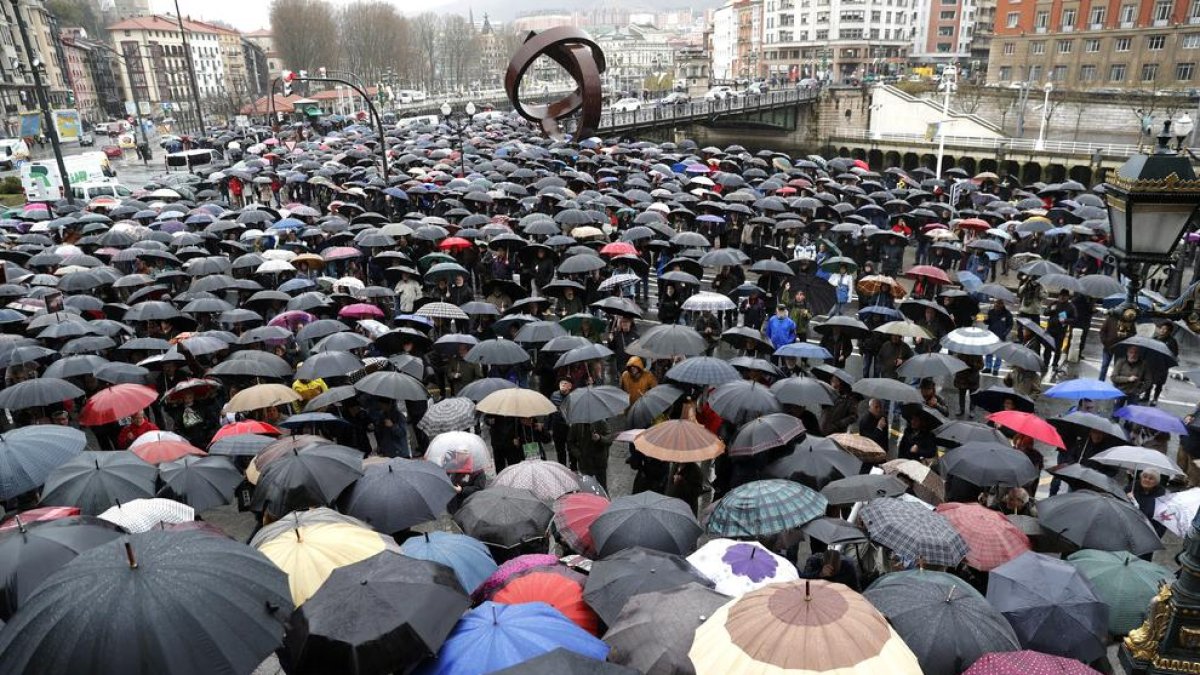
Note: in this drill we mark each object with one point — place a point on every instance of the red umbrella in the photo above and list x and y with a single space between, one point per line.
116 402
928 272
341 253
786 190
166 451
361 310
619 248
37 515
245 427
929 227
562 590
455 244
974 224
860 164
1029 424
1027 663
992 539
197 387
573 516
510 570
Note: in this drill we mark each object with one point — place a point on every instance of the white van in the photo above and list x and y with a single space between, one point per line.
42 182
89 190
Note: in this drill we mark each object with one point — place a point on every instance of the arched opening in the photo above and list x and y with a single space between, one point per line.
967 164
859 153
891 158
1056 173
929 161
1031 173
911 161
987 165
1010 167
875 159
1081 174
843 151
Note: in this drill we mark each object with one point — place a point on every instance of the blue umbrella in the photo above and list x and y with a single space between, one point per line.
492 637
468 557
969 281
1151 418
803 350
297 284
1084 387
395 193
288 224
1115 299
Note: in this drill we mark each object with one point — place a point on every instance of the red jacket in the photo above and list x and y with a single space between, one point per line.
130 432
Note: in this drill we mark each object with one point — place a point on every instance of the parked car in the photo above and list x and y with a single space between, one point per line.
112 151
626 105
86 140
674 98
719 93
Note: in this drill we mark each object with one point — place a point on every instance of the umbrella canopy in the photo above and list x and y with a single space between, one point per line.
504 516
497 352
992 539
679 441
764 507
309 545
1025 662
1028 424
382 614
546 480
171 593
617 578
742 401
143 515
594 404
814 462
947 624
448 414
649 520
862 488
574 514
303 474
1137 458
515 403
654 631
1084 387
94 481
764 433
396 494
930 365
562 660
200 482
556 586
703 371
887 389
1051 606
1151 418
803 391
116 402
459 452
913 532
392 385
988 464
1094 520
841 632
29 454
860 446
469 558
668 341
738 567
1125 583
261 396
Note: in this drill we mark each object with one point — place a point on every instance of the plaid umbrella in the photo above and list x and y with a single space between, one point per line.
991 539
913 531
450 414
619 281
765 507
546 480
703 371
860 446
441 310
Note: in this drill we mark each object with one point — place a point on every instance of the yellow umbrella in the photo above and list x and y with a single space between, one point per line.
515 403
261 396
800 628
310 553
312 259
587 231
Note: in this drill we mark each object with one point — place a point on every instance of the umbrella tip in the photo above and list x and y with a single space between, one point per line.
495 616
426 537
271 607
297 531
950 594
807 590
133 563
20 523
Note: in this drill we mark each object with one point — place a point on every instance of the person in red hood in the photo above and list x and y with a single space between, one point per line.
138 425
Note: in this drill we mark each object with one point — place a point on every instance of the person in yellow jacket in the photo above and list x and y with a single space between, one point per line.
308 390
636 380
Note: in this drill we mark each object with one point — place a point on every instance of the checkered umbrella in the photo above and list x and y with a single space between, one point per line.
703 371
441 310
860 446
913 531
708 302
765 507
992 539
619 281
451 414
546 480
143 515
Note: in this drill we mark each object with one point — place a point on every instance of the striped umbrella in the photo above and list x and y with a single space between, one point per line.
441 310
913 531
679 441
450 414
765 507
703 371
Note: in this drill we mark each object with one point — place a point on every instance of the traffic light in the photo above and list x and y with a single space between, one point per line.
287 77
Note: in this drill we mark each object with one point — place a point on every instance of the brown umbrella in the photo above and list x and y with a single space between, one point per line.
926 484
878 283
515 403
841 632
860 446
261 396
679 441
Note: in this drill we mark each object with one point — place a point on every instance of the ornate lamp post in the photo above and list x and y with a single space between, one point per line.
458 126
1169 640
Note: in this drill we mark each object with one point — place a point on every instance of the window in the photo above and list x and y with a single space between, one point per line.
1059 74
945 31
1184 71
850 34
1012 19
1005 73
1149 72
1194 12
1068 19
1009 49
1128 12
1155 43
1091 46
1035 73
876 15
1191 41
1098 15
944 47
1116 72
1041 21
1064 46
1037 47
1087 73
1162 10
948 15
1122 45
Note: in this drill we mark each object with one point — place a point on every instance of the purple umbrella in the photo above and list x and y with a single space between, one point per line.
512 568
1151 418
709 218
172 226
292 320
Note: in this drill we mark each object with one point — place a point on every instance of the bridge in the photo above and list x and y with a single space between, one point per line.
776 110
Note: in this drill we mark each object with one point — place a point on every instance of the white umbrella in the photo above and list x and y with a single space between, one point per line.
154 436
1137 458
143 515
460 451
708 302
738 567
1177 509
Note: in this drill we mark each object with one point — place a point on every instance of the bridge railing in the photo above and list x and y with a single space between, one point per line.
694 110
1008 144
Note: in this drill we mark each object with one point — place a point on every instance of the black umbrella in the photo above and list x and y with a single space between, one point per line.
252 363
96 481
328 364
652 404
748 339
397 494
931 365
887 389
655 630
305 477
814 462
29 454
961 431
1036 330
41 391
1073 426
946 623
563 661
649 520
834 531
803 391
766 432
1094 520
480 389
240 445
993 399
497 352
668 341
392 385
593 404
703 371
539 332
30 552
169 593
620 306
1151 350
200 482
617 578
989 464
503 516
589 352
380 615
849 326
861 488
743 400
1080 477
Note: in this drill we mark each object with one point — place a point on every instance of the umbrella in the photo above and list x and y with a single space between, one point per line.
765 432
668 341
764 507
862 488
738 567
1051 606
394 495
515 403
841 633
678 441
1083 387
261 396
1136 458
989 464
448 414
1026 662
1080 477
652 404
1100 286
459 452
814 462
646 519
887 389
946 623
310 545
705 301
546 480
41 391
931 365
704 371
991 539
971 340
479 389
574 514
199 482
860 446
392 385
221 622
469 558
31 550
1125 583
959 432
1094 520
1029 424
495 636
913 532
382 614
168 450
328 364
617 578
562 660
1150 348
654 631
556 586
504 516
1151 418
143 515
995 398
94 481
742 401
594 404
312 475
29 454
590 352
803 391
834 531
1020 356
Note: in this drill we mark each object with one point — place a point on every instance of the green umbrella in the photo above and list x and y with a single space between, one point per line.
1125 583
833 265
574 323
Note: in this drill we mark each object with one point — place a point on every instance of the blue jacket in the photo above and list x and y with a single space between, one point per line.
781 330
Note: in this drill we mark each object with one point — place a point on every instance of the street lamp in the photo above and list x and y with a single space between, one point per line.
1183 129
949 75
1150 202
458 126
1041 141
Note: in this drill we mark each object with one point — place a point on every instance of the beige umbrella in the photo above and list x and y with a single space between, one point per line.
925 482
903 329
261 396
679 441
515 403
800 627
860 446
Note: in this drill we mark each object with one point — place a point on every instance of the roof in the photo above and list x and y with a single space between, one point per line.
168 23
261 32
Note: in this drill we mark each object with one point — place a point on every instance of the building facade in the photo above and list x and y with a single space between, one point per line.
737 41
692 70
157 63
836 40
79 77
942 31
1144 45
258 71
638 58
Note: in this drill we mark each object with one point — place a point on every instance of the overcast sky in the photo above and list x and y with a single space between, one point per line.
254 14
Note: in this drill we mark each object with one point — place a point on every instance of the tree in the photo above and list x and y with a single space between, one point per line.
371 33
305 34
459 50
72 13
425 49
